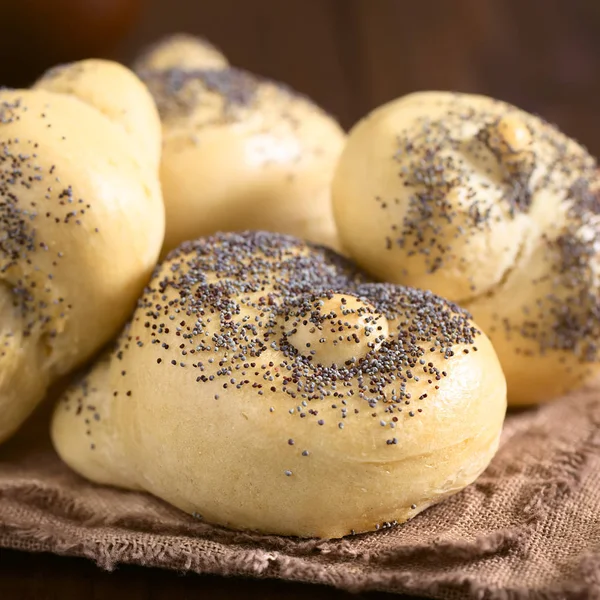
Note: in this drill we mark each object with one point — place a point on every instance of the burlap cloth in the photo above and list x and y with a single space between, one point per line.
529 527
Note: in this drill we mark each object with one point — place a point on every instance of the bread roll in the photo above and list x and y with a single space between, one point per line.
492 208
181 51
265 384
240 152
131 107
81 226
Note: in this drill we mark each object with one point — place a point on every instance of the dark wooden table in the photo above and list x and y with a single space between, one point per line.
45 577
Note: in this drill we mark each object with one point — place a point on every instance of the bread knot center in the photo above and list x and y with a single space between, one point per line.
336 329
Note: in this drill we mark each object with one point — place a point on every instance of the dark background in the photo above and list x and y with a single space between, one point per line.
350 56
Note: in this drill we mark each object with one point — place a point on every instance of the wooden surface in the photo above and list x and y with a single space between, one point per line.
350 56
45 577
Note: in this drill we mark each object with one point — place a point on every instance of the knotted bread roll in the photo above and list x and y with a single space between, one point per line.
265 384
239 152
492 208
181 51
117 93
81 223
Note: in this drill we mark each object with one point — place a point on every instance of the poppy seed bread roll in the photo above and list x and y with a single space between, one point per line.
493 208
181 51
117 93
241 152
267 385
81 226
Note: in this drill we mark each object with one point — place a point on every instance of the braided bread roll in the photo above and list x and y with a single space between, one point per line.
265 384
492 208
239 152
81 223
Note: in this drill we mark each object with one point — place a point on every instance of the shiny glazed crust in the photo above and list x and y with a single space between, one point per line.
81 226
492 208
239 152
267 385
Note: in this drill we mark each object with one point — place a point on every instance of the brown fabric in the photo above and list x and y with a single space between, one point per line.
528 528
